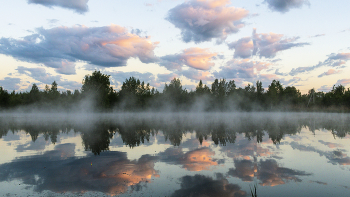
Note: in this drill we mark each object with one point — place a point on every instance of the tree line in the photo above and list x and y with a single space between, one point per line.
97 94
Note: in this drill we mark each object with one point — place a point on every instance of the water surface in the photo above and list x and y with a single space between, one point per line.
175 154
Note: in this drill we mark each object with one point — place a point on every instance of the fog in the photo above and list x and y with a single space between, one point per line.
184 120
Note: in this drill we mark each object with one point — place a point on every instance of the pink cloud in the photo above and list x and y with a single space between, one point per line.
204 20
194 57
330 72
198 58
344 81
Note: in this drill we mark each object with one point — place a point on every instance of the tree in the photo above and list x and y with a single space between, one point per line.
34 94
4 98
275 92
97 87
202 90
220 90
174 92
338 94
291 95
130 87
259 89
250 93
53 92
135 94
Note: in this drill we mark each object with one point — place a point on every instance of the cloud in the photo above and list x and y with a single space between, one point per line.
271 174
330 72
318 35
166 77
333 60
264 45
204 20
197 75
244 69
318 182
244 169
118 77
344 81
61 47
268 77
325 88
195 160
268 172
345 30
60 171
79 6
38 74
42 76
37 145
244 149
285 5
52 21
335 157
200 185
243 47
330 144
194 57
9 83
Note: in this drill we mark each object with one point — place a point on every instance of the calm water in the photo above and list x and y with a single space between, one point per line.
210 154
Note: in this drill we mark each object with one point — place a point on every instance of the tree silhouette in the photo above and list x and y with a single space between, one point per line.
98 87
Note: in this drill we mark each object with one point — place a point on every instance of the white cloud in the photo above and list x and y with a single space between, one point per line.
264 45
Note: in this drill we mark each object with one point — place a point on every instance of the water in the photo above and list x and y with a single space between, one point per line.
175 154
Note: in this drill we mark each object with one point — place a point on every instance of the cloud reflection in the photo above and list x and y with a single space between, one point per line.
200 185
59 171
195 160
267 171
335 157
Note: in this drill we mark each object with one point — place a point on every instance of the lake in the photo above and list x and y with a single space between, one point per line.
175 154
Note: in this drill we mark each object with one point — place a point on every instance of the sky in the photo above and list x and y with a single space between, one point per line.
301 43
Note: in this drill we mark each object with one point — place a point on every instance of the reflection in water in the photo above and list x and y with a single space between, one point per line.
334 157
208 154
199 185
195 160
134 129
268 172
60 171
97 137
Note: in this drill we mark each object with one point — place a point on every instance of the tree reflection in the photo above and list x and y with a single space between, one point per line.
136 133
220 128
96 137
222 134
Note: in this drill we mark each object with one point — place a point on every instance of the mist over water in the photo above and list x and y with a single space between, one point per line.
174 154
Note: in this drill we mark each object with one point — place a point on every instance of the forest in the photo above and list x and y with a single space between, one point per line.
97 94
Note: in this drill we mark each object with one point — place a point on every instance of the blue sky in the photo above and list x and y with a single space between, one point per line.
302 43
